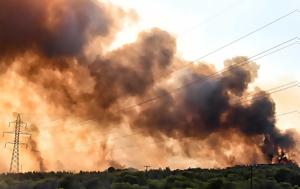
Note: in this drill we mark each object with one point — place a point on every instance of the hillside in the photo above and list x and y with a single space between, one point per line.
264 177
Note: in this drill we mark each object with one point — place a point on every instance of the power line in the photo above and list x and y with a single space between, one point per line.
263 53
234 66
217 14
217 73
279 49
271 91
227 44
159 142
248 34
220 48
268 93
238 39
239 64
288 113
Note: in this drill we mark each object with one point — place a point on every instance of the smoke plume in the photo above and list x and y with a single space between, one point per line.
208 107
35 150
55 61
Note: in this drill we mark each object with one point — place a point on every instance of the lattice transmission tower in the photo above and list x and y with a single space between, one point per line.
19 130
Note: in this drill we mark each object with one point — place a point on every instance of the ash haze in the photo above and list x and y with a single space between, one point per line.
72 69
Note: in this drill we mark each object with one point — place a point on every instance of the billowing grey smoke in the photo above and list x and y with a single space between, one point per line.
211 107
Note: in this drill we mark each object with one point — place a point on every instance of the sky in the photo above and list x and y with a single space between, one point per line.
202 26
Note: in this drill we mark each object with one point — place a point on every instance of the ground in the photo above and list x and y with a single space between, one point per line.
238 177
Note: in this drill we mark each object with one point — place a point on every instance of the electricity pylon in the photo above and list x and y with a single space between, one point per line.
15 159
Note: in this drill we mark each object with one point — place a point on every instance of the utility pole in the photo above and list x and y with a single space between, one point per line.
146 170
15 159
251 176
147 167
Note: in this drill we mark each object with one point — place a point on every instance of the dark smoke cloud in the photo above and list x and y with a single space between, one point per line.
207 107
130 71
58 28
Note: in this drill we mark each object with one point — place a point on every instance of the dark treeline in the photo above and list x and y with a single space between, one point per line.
239 177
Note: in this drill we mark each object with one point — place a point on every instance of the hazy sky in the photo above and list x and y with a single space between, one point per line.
202 26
